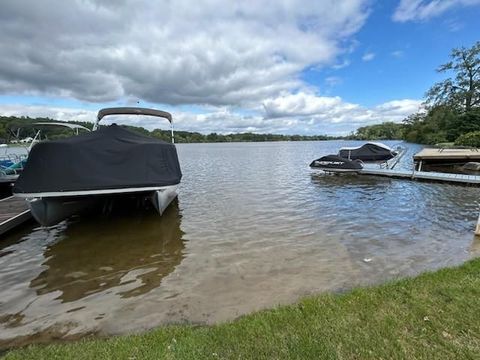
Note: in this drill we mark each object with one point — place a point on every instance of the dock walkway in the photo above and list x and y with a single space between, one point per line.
423 175
13 212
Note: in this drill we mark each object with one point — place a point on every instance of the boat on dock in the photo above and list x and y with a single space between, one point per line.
65 177
354 159
335 163
369 152
11 165
10 174
6 159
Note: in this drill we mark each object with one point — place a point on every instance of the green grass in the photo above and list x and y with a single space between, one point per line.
433 316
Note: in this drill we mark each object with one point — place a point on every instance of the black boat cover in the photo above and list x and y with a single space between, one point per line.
368 152
335 162
109 158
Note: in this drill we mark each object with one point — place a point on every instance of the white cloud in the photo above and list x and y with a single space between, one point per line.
421 10
454 25
227 60
300 113
333 110
397 110
341 64
174 52
397 53
333 81
368 56
319 114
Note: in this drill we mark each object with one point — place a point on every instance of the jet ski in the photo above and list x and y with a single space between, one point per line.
335 163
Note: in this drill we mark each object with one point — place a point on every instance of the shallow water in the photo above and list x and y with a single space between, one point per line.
253 227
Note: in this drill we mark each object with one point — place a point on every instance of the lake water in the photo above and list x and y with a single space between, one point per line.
253 227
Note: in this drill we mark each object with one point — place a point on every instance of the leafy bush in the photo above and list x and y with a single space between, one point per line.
469 139
433 138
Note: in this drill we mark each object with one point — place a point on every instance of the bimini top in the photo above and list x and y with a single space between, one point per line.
368 152
109 158
132 111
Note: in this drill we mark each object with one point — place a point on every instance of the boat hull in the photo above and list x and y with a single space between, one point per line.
335 163
50 210
161 199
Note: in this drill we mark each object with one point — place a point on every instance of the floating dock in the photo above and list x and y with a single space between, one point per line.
447 154
445 157
13 212
423 175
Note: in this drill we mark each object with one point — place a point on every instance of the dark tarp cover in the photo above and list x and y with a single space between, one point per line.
336 162
109 158
368 152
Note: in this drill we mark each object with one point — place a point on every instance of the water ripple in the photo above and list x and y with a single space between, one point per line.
254 227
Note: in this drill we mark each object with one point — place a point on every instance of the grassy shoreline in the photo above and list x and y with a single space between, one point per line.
433 316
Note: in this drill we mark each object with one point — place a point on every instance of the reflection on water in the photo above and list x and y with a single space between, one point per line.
254 227
85 261
94 255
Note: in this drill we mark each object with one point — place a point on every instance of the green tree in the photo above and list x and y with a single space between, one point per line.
383 131
461 91
469 139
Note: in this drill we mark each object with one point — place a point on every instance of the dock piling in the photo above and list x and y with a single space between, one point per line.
477 229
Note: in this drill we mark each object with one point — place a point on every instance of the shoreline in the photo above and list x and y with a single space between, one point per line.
432 315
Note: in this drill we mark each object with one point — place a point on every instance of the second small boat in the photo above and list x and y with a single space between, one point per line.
335 163
353 159
369 152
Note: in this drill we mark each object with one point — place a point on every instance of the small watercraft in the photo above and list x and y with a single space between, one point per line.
65 177
354 159
11 165
6 159
335 163
369 152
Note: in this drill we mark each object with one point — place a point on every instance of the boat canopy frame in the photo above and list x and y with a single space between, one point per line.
74 127
134 111
15 130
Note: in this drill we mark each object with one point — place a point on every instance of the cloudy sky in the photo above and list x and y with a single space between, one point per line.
291 66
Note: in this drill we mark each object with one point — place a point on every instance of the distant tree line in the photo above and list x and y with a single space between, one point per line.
452 107
12 127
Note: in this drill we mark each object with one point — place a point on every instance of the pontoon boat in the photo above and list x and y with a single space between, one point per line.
65 177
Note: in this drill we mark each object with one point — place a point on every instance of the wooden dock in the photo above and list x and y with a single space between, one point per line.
13 212
447 154
444 157
423 175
